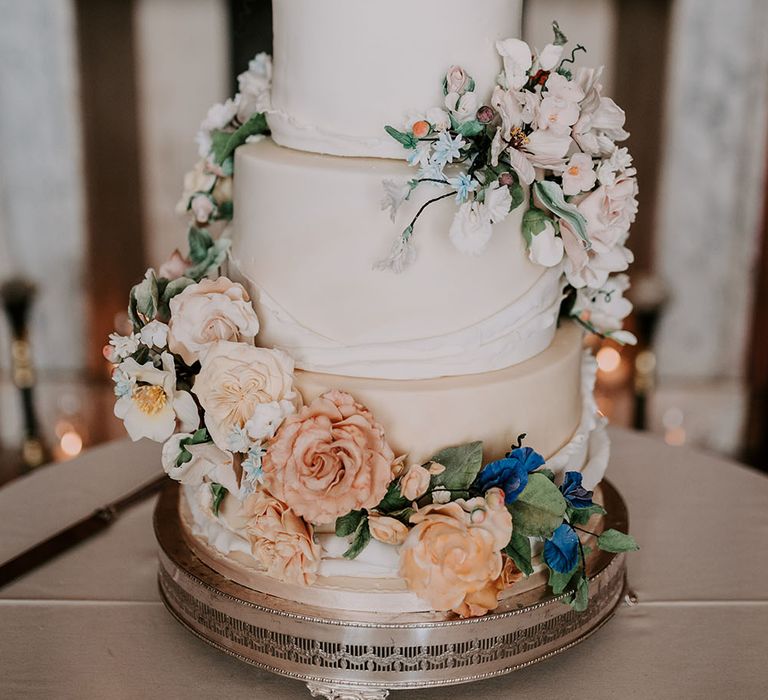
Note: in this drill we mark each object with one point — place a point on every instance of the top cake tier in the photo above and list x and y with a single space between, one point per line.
374 63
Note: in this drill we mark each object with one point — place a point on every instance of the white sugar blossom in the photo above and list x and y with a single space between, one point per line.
266 419
601 121
219 116
438 118
471 228
202 208
559 108
463 107
402 255
238 440
547 149
120 346
497 203
546 248
516 55
199 179
619 162
207 463
155 406
550 56
254 87
155 334
395 193
579 174
605 308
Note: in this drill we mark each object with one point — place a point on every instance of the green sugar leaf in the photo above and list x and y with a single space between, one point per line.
519 550
470 128
347 524
225 143
580 516
462 463
360 541
406 140
580 600
559 582
552 197
393 500
218 492
534 222
539 509
615 541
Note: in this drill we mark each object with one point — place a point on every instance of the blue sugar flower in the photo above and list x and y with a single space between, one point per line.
576 495
463 184
447 148
509 474
561 551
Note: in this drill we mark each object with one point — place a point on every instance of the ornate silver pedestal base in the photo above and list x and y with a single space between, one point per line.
361 656
337 692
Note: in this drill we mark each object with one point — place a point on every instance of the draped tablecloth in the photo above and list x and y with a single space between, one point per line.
90 624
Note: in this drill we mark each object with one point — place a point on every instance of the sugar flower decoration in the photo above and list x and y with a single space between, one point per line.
328 459
154 407
281 541
510 474
209 311
235 379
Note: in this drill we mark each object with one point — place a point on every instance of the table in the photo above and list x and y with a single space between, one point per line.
91 625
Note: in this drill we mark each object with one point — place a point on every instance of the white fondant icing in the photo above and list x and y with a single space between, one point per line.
206 525
512 335
334 91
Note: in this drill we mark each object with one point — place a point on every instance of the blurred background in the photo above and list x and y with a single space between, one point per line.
99 104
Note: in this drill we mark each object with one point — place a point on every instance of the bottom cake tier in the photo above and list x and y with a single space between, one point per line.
359 655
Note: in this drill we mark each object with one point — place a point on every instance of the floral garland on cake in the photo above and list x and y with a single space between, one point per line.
235 427
545 136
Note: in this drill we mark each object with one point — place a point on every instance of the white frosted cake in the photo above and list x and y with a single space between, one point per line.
391 410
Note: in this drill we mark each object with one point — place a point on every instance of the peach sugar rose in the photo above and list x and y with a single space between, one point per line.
452 557
281 541
236 379
208 311
328 459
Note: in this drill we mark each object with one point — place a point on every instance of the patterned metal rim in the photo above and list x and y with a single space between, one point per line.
400 685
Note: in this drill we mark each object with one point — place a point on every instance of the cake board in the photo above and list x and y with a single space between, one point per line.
344 655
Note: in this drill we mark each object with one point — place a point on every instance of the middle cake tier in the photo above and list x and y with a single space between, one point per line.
549 398
307 234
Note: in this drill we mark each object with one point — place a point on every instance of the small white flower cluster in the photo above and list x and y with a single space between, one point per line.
545 135
207 191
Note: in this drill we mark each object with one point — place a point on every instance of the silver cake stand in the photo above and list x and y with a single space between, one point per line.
362 656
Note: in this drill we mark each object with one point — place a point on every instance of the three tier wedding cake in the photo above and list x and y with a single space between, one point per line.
384 402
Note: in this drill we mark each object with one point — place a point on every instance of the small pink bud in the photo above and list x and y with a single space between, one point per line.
485 114
506 179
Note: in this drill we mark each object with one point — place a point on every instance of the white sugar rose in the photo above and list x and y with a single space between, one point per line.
235 379
463 107
517 58
209 311
471 228
152 407
609 211
456 80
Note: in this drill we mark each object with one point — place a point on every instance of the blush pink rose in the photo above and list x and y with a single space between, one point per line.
281 541
328 459
209 311
415 482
